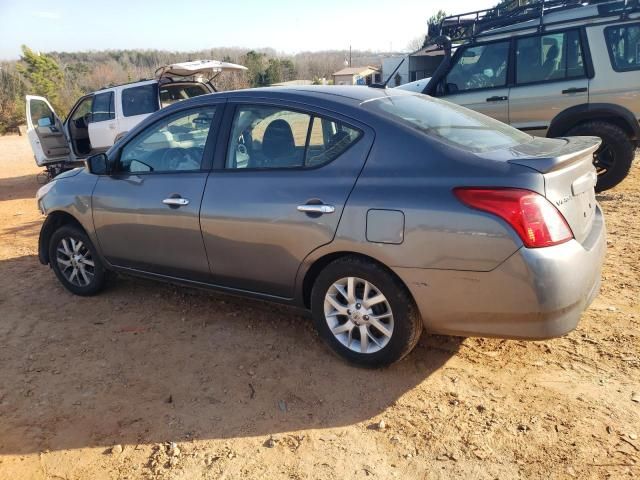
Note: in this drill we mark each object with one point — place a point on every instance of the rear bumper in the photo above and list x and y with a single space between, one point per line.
535 294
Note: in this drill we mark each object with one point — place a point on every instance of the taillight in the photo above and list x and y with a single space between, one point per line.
532 216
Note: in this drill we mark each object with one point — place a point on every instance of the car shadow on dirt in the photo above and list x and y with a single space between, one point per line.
146 362
21 187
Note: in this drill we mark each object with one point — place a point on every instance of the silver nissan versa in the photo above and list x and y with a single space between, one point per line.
380 211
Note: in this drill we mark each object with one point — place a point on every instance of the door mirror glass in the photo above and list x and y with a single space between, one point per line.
98 164
44 122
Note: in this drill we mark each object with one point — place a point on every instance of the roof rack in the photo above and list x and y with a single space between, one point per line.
468 26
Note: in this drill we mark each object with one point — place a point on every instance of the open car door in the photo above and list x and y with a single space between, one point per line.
45 132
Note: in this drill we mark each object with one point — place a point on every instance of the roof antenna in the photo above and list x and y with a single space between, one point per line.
386 82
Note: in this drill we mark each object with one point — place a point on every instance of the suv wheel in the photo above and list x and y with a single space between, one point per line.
74 260
613 159
364 313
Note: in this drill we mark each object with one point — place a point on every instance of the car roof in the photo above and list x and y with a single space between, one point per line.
336 94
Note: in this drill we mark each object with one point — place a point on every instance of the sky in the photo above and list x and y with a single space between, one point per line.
187 25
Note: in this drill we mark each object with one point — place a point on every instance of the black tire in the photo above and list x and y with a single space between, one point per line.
407 324
614 157
96 273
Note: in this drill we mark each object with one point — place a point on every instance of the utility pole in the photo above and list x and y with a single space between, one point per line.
349 55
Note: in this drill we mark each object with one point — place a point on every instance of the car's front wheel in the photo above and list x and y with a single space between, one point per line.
364 313
75 262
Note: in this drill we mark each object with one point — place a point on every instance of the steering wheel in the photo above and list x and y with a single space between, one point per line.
83 121
180 159
478 80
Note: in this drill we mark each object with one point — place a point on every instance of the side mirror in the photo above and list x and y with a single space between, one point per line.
44 122
98 164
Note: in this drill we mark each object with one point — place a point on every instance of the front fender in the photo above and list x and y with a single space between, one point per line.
68 201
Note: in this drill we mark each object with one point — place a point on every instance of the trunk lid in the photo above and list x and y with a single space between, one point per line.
206 69
569 176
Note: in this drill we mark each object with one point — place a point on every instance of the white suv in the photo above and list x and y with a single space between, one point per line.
101 118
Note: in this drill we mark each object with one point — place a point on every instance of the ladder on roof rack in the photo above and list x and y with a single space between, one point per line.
467 26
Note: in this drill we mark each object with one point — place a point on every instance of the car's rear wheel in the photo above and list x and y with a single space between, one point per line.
614 157
75 262
364 313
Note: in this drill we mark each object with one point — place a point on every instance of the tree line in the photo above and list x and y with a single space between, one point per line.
63 77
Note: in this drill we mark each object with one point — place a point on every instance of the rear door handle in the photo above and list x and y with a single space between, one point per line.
497 98
575 90
320 208
175 201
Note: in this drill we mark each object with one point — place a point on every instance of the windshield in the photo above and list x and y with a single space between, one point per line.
448 122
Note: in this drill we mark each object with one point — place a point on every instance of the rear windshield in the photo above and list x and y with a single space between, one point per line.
448 122
170 94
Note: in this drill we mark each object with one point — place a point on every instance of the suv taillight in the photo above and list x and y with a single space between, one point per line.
532 216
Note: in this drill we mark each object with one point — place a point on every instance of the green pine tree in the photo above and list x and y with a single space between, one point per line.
43 76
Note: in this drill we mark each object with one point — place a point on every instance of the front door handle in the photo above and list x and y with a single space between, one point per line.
175 201
497 98
319 208
575 90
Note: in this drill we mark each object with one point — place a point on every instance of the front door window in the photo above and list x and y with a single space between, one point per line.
479 67
173 144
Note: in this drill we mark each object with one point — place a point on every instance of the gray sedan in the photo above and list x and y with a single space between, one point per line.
382 212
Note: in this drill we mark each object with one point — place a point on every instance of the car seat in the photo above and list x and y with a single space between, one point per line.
550 65
279 147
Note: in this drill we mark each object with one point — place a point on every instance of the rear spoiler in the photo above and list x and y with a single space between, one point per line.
576 149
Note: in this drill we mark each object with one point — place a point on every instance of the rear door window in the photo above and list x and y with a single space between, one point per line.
623 42
548 58
273 137
103 107
139 100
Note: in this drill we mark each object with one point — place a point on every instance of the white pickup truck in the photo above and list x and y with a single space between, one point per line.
101 118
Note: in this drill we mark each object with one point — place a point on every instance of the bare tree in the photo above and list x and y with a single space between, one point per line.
415 43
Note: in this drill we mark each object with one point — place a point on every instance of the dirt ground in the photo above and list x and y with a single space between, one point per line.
154 381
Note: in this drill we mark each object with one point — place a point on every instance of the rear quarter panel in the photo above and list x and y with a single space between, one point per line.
412 174
609 86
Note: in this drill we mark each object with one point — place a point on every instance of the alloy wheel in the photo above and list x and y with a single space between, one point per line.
358 315
75 261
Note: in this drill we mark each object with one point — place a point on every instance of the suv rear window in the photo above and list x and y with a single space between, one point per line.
448 122
139 100
170 94
623 42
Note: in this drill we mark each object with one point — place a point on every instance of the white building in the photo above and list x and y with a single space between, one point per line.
416 66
